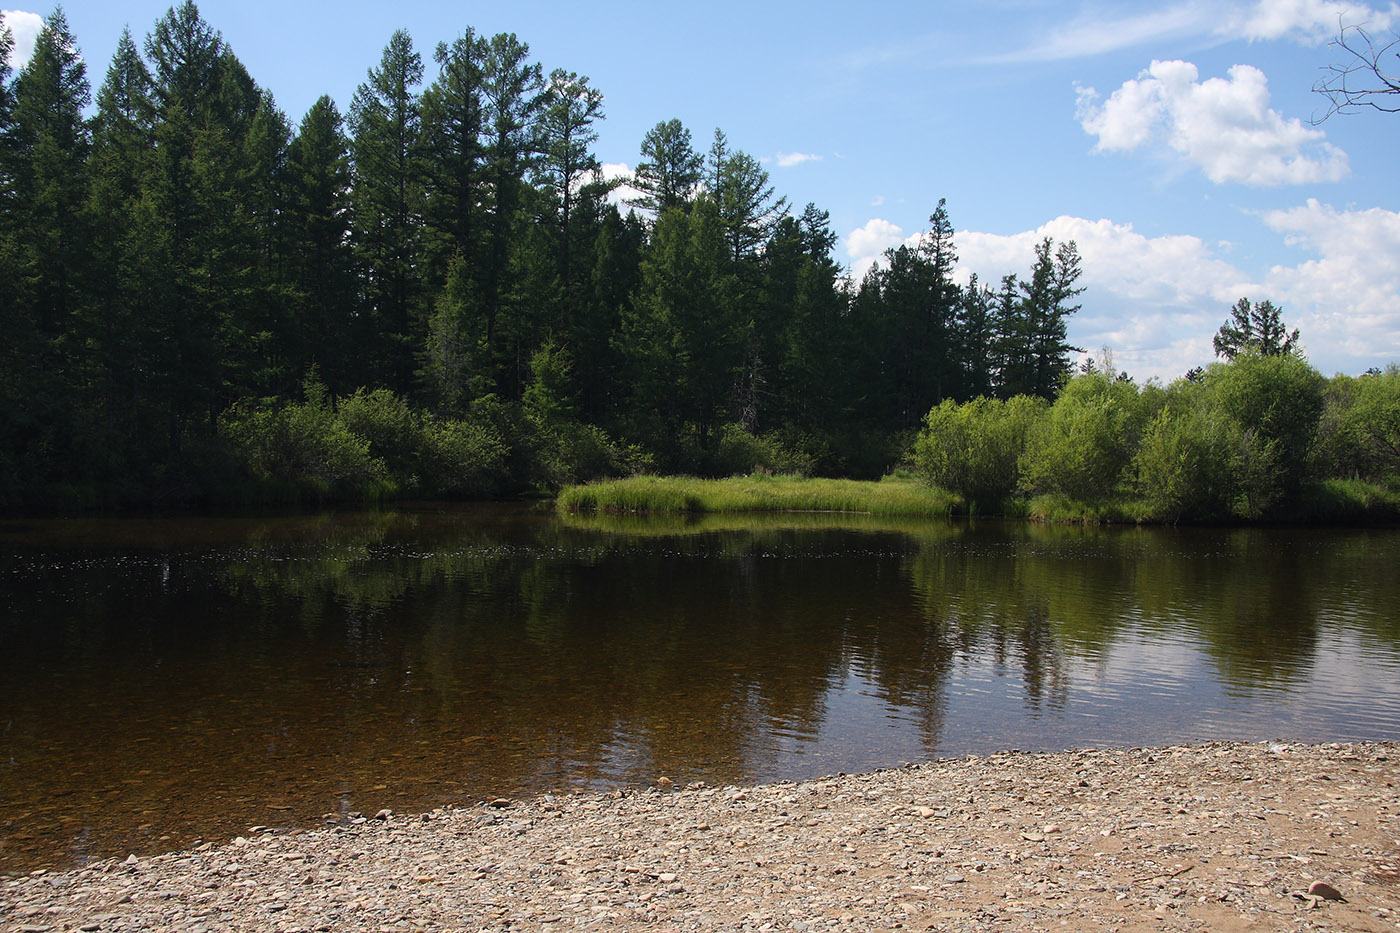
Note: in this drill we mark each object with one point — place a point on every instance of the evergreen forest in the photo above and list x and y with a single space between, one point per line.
435 292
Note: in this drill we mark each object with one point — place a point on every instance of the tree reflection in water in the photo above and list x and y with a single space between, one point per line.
181 679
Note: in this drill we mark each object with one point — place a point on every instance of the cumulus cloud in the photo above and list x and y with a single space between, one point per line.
1222 125
865 245
25 27
789 159
620 173
1155 302
1348 297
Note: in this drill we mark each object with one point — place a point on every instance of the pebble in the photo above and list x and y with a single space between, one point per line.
845 852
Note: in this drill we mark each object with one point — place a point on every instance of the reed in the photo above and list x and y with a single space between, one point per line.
759 493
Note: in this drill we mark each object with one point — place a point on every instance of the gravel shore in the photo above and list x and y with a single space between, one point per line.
1212 837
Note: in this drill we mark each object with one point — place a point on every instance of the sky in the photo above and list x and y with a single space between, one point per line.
1177 143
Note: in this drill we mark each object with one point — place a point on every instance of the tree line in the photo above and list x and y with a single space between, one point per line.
199 295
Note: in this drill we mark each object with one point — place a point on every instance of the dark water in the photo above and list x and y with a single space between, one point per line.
165 681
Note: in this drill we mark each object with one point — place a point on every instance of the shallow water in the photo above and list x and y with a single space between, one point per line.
170 680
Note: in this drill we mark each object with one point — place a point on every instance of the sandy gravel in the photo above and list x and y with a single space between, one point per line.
1214 837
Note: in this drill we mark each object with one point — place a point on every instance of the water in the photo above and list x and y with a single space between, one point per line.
175 680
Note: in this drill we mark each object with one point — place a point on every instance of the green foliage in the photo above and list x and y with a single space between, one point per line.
1082 446
1196 462
740 452
974 449
1280 398
1255 329
759 492
304 451
1359 433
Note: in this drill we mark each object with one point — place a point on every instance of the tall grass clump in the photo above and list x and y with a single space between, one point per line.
757 493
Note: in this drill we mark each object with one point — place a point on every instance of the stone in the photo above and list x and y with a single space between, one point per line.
1325 891
384 814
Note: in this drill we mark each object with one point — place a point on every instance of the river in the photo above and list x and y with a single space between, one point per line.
172 680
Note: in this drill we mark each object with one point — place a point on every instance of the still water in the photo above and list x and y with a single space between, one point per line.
167 681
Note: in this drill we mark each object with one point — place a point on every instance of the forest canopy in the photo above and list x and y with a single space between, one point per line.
435 291
182 265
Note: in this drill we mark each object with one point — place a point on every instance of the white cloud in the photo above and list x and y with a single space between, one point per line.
25 27
1313 21
1155 302
1094 34
789 159
865 245
1348 298
1223 125
621 173
1307 21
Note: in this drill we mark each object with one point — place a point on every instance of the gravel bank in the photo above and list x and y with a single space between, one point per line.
1214 837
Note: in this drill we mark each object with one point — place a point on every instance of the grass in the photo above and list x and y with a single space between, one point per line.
1353 501
759 493
1061 509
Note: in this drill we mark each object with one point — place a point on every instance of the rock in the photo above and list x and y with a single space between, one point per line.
384 814
664 781
500 803
925 812
1325 891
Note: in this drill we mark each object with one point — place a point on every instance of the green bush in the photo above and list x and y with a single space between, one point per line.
1088 437
464 458
974 448
739 452
1196 462
304 450
1359 434
1280 398
394 431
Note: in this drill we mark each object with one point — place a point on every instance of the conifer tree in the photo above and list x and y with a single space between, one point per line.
385 122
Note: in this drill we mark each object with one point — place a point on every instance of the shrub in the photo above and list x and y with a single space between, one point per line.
1280 398
974 448
1081 447
1197 462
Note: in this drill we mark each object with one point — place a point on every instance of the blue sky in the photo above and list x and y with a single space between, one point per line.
1171 141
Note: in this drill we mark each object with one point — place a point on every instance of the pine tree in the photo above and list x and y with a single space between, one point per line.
322 264
385 125
670 169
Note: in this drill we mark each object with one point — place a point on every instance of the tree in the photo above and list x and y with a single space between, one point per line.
322 264
51 140
567 135
453 157
384 124
1367 76
514 93
744 198
1258 328
670 168
1046 299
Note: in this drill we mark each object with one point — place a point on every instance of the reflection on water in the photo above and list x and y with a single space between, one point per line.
171 680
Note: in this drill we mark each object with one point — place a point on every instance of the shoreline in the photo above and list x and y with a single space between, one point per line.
1220 836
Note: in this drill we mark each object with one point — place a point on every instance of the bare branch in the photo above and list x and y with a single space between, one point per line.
1368 76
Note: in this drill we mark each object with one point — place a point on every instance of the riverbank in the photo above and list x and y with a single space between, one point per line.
1220 836
1341 502
757 492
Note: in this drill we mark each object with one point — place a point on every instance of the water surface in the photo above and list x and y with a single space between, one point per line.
171 680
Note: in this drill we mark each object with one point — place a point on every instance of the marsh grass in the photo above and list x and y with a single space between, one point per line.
759 493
